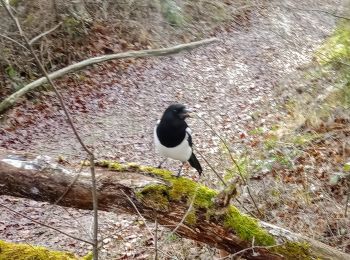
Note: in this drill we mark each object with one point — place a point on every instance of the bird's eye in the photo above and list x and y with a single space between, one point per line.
175 110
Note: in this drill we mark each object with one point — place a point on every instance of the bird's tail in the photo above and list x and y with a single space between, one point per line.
195 164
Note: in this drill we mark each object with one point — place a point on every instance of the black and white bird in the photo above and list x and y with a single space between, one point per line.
172 137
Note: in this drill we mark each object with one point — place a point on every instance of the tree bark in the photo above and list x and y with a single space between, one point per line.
38 179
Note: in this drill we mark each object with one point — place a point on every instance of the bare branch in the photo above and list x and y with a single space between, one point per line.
44 33
156 241
11 100
235 163
184 216
138 213
13 40
252 248
210 166
60 98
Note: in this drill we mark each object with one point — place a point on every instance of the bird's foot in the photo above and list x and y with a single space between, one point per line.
179 172
161 163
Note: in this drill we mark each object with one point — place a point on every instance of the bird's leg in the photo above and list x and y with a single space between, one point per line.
161 163
179 172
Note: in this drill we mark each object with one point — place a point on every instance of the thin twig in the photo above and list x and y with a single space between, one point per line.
184 216
211 167
347 201
138 212
252 248
65 209
156 240
94 205
66 191
234 162
13 40
222 180
44 225
44 33
60 98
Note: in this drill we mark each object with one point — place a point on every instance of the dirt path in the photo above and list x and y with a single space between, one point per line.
226 83
231 84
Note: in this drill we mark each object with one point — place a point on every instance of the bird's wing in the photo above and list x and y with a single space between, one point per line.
189 137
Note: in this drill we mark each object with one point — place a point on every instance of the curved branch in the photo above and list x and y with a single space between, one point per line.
12 99
44 33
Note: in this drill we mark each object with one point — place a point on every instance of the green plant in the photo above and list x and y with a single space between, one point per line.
172 12
11 72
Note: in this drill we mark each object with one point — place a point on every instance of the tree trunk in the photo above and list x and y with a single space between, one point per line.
156 192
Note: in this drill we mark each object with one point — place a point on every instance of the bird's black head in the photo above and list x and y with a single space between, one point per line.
177 111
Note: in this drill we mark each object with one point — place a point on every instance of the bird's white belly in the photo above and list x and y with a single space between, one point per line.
182 152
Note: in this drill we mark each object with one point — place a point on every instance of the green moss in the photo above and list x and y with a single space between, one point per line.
13 251
337 47
302 139
191 218
112 165
257 131
159 196
271 142
294 250
72 26
172 12
155 196
14 3
156 171
334 55
247 228
183 188
133 166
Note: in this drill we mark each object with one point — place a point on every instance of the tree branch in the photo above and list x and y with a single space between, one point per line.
12 99
44 33
13 40
69 119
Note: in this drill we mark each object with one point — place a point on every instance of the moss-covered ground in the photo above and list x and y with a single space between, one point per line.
13 251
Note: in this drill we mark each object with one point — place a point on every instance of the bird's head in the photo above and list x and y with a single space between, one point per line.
177 111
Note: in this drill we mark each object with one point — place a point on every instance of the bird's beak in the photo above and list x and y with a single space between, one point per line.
187 113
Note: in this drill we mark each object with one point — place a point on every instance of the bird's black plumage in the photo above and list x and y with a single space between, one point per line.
195 163
173 137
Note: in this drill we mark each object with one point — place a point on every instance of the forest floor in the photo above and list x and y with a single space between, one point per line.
240 86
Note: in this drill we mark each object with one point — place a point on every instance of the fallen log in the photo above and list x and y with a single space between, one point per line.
156 193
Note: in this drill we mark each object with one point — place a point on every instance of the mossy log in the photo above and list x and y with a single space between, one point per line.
156 193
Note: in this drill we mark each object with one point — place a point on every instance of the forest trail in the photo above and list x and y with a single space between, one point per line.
227 83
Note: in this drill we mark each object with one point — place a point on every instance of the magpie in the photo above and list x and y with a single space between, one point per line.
172 137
